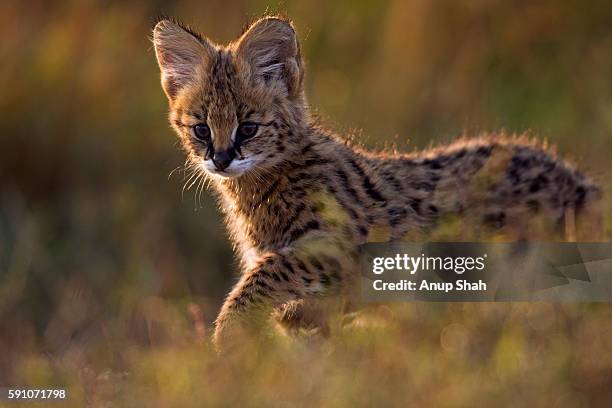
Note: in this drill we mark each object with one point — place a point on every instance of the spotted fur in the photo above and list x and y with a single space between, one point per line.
299 200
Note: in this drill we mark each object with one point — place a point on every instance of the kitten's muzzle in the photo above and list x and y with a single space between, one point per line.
223 158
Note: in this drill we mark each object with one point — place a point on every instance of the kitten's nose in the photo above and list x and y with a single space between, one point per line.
222 159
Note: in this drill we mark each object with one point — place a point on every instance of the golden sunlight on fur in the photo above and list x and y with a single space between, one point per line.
299 200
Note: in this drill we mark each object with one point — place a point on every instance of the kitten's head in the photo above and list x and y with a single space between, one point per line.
233 106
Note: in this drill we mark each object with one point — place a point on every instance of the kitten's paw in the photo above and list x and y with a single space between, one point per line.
301 317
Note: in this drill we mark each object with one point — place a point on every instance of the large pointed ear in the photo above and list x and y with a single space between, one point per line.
272 53
181 54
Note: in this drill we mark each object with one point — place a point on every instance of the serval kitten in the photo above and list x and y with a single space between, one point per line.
299 200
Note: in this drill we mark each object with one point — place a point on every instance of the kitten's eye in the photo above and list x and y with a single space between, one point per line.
202 132
246 130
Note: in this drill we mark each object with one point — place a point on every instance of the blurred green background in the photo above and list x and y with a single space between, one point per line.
109 275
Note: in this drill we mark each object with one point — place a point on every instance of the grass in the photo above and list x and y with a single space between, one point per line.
420 354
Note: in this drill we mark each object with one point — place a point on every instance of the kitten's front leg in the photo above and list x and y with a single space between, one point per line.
275 279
